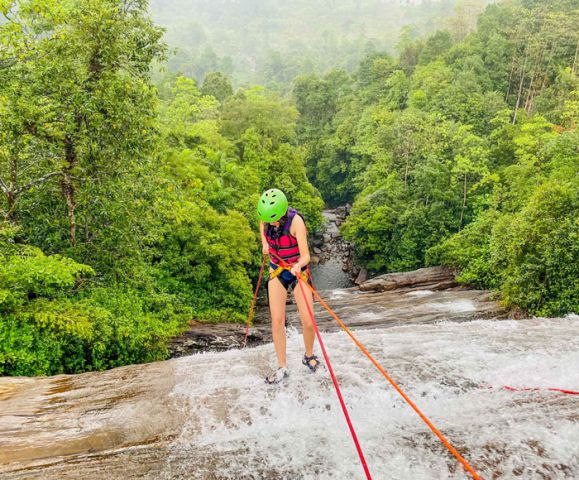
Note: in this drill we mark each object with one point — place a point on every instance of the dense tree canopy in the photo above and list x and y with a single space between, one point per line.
448 152
127 208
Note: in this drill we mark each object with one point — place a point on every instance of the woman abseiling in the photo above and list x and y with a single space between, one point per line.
283 232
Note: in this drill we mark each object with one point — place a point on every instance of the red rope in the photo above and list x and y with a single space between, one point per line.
536 389
441 437
393 383
250 316
336 386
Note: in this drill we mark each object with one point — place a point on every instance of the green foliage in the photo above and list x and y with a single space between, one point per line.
526 245
269 42
143 201
542 252
217 85
267 114
451 154
51 324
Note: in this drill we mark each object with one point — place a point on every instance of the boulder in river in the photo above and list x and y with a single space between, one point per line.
434 278
361 277
421 296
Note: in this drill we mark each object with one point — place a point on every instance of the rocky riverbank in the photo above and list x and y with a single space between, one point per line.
328 247
423 296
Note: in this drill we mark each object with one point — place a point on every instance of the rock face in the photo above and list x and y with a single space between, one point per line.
361 277
221 336
422 296
334 263
211 417
160 420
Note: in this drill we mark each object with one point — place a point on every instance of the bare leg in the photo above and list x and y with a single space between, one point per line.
307 324
277 299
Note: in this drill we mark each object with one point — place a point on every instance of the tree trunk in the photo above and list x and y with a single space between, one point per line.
11 194
546 72
513 64
463 203
11 200
520 88
531 90
575 58
68 187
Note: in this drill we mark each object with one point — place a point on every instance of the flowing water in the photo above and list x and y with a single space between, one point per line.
330 274
210 416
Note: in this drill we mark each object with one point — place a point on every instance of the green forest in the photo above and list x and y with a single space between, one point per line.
270 42
128 191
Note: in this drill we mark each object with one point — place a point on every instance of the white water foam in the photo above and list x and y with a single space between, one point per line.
456 306
239 428
420 293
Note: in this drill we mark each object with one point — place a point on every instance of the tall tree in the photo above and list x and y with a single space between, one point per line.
77 105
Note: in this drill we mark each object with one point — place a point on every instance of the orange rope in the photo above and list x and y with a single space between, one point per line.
441 437
250 316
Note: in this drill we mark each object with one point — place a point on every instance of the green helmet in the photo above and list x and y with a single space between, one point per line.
272 205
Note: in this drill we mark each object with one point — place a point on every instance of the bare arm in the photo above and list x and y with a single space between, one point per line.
264 244
301 235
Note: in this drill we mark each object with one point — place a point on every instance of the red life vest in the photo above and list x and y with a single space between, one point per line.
281 241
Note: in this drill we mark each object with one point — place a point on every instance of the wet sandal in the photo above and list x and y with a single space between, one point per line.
278 376
306 361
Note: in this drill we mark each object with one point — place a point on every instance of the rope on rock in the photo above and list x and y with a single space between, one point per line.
250 316
335 382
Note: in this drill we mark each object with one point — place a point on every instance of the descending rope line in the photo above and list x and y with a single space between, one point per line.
250 316
441 437
303 280
336 385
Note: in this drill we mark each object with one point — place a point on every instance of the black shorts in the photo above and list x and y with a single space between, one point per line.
287 279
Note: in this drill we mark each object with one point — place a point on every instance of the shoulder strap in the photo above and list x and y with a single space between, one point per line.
291 213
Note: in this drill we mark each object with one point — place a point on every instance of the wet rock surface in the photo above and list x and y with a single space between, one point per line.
147 421
211 417
423 296
332 264
433 278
